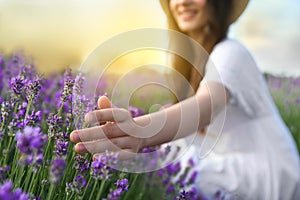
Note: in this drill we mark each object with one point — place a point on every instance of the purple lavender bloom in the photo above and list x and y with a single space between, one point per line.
219 195
55 123
79 183
166 180
17 85
14 65
32 89
114 194
39 159
183 195
66 95
296 82
135 112
31 140
188 195
3 172
7 193
33 118
122 184
5 111
78 84
173 169
57 170
2 61
170 189
193 177
191 162
81 164
101 166
22 110
99 170
61 148
18 121
160 172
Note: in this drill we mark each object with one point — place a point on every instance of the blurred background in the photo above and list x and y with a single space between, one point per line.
62 33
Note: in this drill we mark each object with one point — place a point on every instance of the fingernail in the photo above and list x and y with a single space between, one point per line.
80 148
74 137
89 118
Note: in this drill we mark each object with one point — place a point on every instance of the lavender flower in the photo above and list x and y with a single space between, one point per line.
6 192
18 121
55 123
68 86
33 118
78 84
57 170
5 111
193 177
80 108
61 148
79 183
173 169
2 61
99 170
219 195
135 112
32 89
3 172
101 166
81 164
188 195
31 140
17 85
14 65
170 189
122 185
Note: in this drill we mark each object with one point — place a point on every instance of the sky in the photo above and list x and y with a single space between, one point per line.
61 33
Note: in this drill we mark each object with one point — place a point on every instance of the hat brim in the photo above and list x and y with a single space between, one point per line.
238 8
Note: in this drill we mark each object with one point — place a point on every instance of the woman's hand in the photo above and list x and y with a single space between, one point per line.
118 134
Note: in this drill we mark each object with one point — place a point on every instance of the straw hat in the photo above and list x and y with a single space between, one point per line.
238 8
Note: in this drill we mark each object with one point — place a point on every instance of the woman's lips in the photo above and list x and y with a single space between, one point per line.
187 15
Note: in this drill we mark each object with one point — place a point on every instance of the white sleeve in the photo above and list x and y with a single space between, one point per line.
232 65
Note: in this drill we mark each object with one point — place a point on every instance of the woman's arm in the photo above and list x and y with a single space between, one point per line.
190 115
177 121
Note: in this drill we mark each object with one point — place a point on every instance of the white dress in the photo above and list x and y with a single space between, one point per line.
247 152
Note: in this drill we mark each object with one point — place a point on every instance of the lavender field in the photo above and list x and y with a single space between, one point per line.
37 160
286 94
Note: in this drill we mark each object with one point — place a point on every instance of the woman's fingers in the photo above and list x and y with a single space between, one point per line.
107 114
113 144
109 130
95 146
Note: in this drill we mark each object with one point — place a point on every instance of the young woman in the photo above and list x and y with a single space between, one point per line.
254 156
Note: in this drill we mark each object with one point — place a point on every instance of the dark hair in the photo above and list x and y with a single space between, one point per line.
220 12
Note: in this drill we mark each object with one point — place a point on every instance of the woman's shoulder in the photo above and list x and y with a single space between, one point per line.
230 45
232 52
